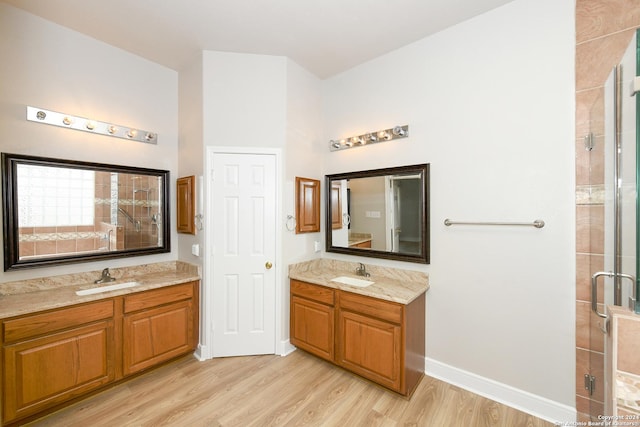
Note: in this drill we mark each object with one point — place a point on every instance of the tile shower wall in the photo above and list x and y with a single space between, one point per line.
603 31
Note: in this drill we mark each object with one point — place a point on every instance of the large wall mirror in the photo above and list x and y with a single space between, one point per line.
382 213
60 211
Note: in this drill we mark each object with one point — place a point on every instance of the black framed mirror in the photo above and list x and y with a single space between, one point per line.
62 211
380 213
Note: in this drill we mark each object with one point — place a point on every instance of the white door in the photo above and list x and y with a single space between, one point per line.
243 201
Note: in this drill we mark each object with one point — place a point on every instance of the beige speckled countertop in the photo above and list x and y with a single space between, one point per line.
391 284
32 295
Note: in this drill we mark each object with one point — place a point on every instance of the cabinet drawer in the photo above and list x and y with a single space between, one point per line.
313 292
156 297
39 324
385 310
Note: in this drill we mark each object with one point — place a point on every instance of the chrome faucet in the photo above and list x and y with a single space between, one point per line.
362 271
106 277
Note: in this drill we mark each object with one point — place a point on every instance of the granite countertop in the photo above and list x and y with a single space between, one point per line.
391 284
33 295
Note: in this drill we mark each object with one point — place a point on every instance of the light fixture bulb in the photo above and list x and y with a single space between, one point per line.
371 137
91 125
356 140
348 143
112 129
398 131
384 135
335 144
150 136
131 133
67 120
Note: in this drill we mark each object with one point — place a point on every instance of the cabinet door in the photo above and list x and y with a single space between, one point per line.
155 335
307 205
46 371
312 327
370 348
185 206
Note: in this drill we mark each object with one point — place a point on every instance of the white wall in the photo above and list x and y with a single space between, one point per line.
490 106
304 153
49 66
244 99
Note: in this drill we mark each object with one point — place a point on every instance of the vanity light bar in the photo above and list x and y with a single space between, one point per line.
370 138
41 115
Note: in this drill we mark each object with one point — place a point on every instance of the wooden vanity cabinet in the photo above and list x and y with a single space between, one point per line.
158 325
312 319
55 356
365 245
380 340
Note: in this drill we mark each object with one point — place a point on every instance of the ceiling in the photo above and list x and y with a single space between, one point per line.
324 36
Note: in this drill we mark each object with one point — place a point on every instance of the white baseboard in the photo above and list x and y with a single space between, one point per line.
285 348
202 353
524 401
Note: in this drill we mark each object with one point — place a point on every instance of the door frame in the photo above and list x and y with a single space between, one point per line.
207 319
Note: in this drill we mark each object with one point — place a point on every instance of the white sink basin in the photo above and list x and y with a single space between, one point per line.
107 288
361 283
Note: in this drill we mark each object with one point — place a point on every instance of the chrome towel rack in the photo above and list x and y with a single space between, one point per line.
538 223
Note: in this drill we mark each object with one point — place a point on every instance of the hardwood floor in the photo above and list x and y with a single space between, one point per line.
299 389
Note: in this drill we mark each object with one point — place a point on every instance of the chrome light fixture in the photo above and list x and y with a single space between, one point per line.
41 115
396 132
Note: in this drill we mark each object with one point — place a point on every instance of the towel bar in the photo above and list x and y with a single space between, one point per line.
538 223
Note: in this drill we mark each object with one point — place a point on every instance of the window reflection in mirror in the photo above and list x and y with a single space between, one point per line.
62 211
380 213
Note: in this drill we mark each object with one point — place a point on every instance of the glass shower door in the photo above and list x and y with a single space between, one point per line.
615 284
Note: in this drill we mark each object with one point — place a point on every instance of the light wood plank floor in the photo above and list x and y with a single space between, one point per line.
297 390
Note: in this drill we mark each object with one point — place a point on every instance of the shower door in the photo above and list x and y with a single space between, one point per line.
615 283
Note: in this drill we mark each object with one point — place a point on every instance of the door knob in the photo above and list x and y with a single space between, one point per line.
268 265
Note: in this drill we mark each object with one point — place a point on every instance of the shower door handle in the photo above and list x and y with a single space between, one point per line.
594 288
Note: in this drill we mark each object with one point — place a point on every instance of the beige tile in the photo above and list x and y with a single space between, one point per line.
595 59
588 324
629 345
65 246
593 363
45 248
596 18
586 407
582 325
590 229
27 248
84 245
590 112
586 265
